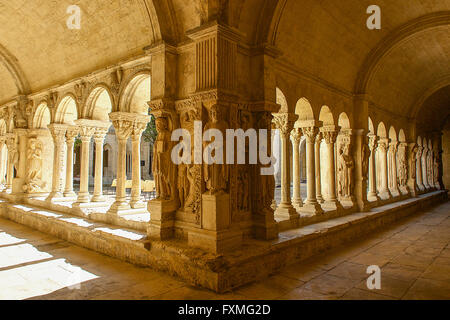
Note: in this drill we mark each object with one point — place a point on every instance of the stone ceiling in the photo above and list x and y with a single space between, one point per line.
327 39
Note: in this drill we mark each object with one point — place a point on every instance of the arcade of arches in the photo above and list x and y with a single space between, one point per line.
359 121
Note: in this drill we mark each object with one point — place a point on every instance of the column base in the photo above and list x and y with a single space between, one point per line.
297 204
83 197
394 192
333 205
320 199
137 204
348 201
55 196
385 195
69 194
100 198
311 208
286 212
162 219
119 207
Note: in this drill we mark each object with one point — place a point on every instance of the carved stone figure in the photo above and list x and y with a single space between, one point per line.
345 171
163 168
34 173
402 169
216 175
365 160
243 191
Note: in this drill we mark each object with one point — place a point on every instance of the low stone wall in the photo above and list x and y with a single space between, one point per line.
220 273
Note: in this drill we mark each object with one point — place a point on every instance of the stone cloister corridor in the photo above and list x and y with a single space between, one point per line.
224 149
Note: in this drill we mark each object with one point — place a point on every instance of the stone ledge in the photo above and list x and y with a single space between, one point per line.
255 260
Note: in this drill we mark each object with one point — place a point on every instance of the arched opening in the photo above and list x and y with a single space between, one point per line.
344 121
41 117
281 100
66 112
136 95
392 162
99 104
304 110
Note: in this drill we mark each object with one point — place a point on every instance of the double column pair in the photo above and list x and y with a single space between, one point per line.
309 129
61 134
128 125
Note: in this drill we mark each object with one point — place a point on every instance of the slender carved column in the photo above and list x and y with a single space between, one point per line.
412 182
425 168
419 168
285 210
317 167
3 162
58 132
372 195
71 133
311 206
123 130
296 135
86 133
393 148
329 135
12 149
99 139
138 129
382 149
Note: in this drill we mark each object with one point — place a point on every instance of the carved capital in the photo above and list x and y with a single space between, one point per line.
71 134
58 132
329 136
296 135
284 122
319 138
138 129
99 135
373 142
310 133
383 145
86 133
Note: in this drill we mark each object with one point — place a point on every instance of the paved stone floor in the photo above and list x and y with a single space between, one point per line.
413 254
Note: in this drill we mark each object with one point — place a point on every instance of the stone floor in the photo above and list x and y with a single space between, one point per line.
413 254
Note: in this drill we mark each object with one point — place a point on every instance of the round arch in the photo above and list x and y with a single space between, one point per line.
99 104
401 136
136 94
381 130
304 110
42 117
3 128
371 128
67 111
281 100
392 134
344 121
326 116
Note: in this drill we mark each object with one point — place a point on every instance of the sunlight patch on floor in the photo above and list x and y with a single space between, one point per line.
19 254
41 279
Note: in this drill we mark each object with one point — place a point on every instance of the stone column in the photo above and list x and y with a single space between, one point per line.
383 193
58 132
412 183
3 163
123 128
329 134
393 148
311 206
86 133
317 167
372 194
12 149
419 168
71 134
296 135
138 129
425 168
99 139
285 123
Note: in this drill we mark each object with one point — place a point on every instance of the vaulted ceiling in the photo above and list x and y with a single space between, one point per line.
397 66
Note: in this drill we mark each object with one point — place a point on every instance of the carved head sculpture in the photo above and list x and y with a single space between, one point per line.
161 124
214 113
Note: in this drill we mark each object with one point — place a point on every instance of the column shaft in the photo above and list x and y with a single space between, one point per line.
296 199
317 168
